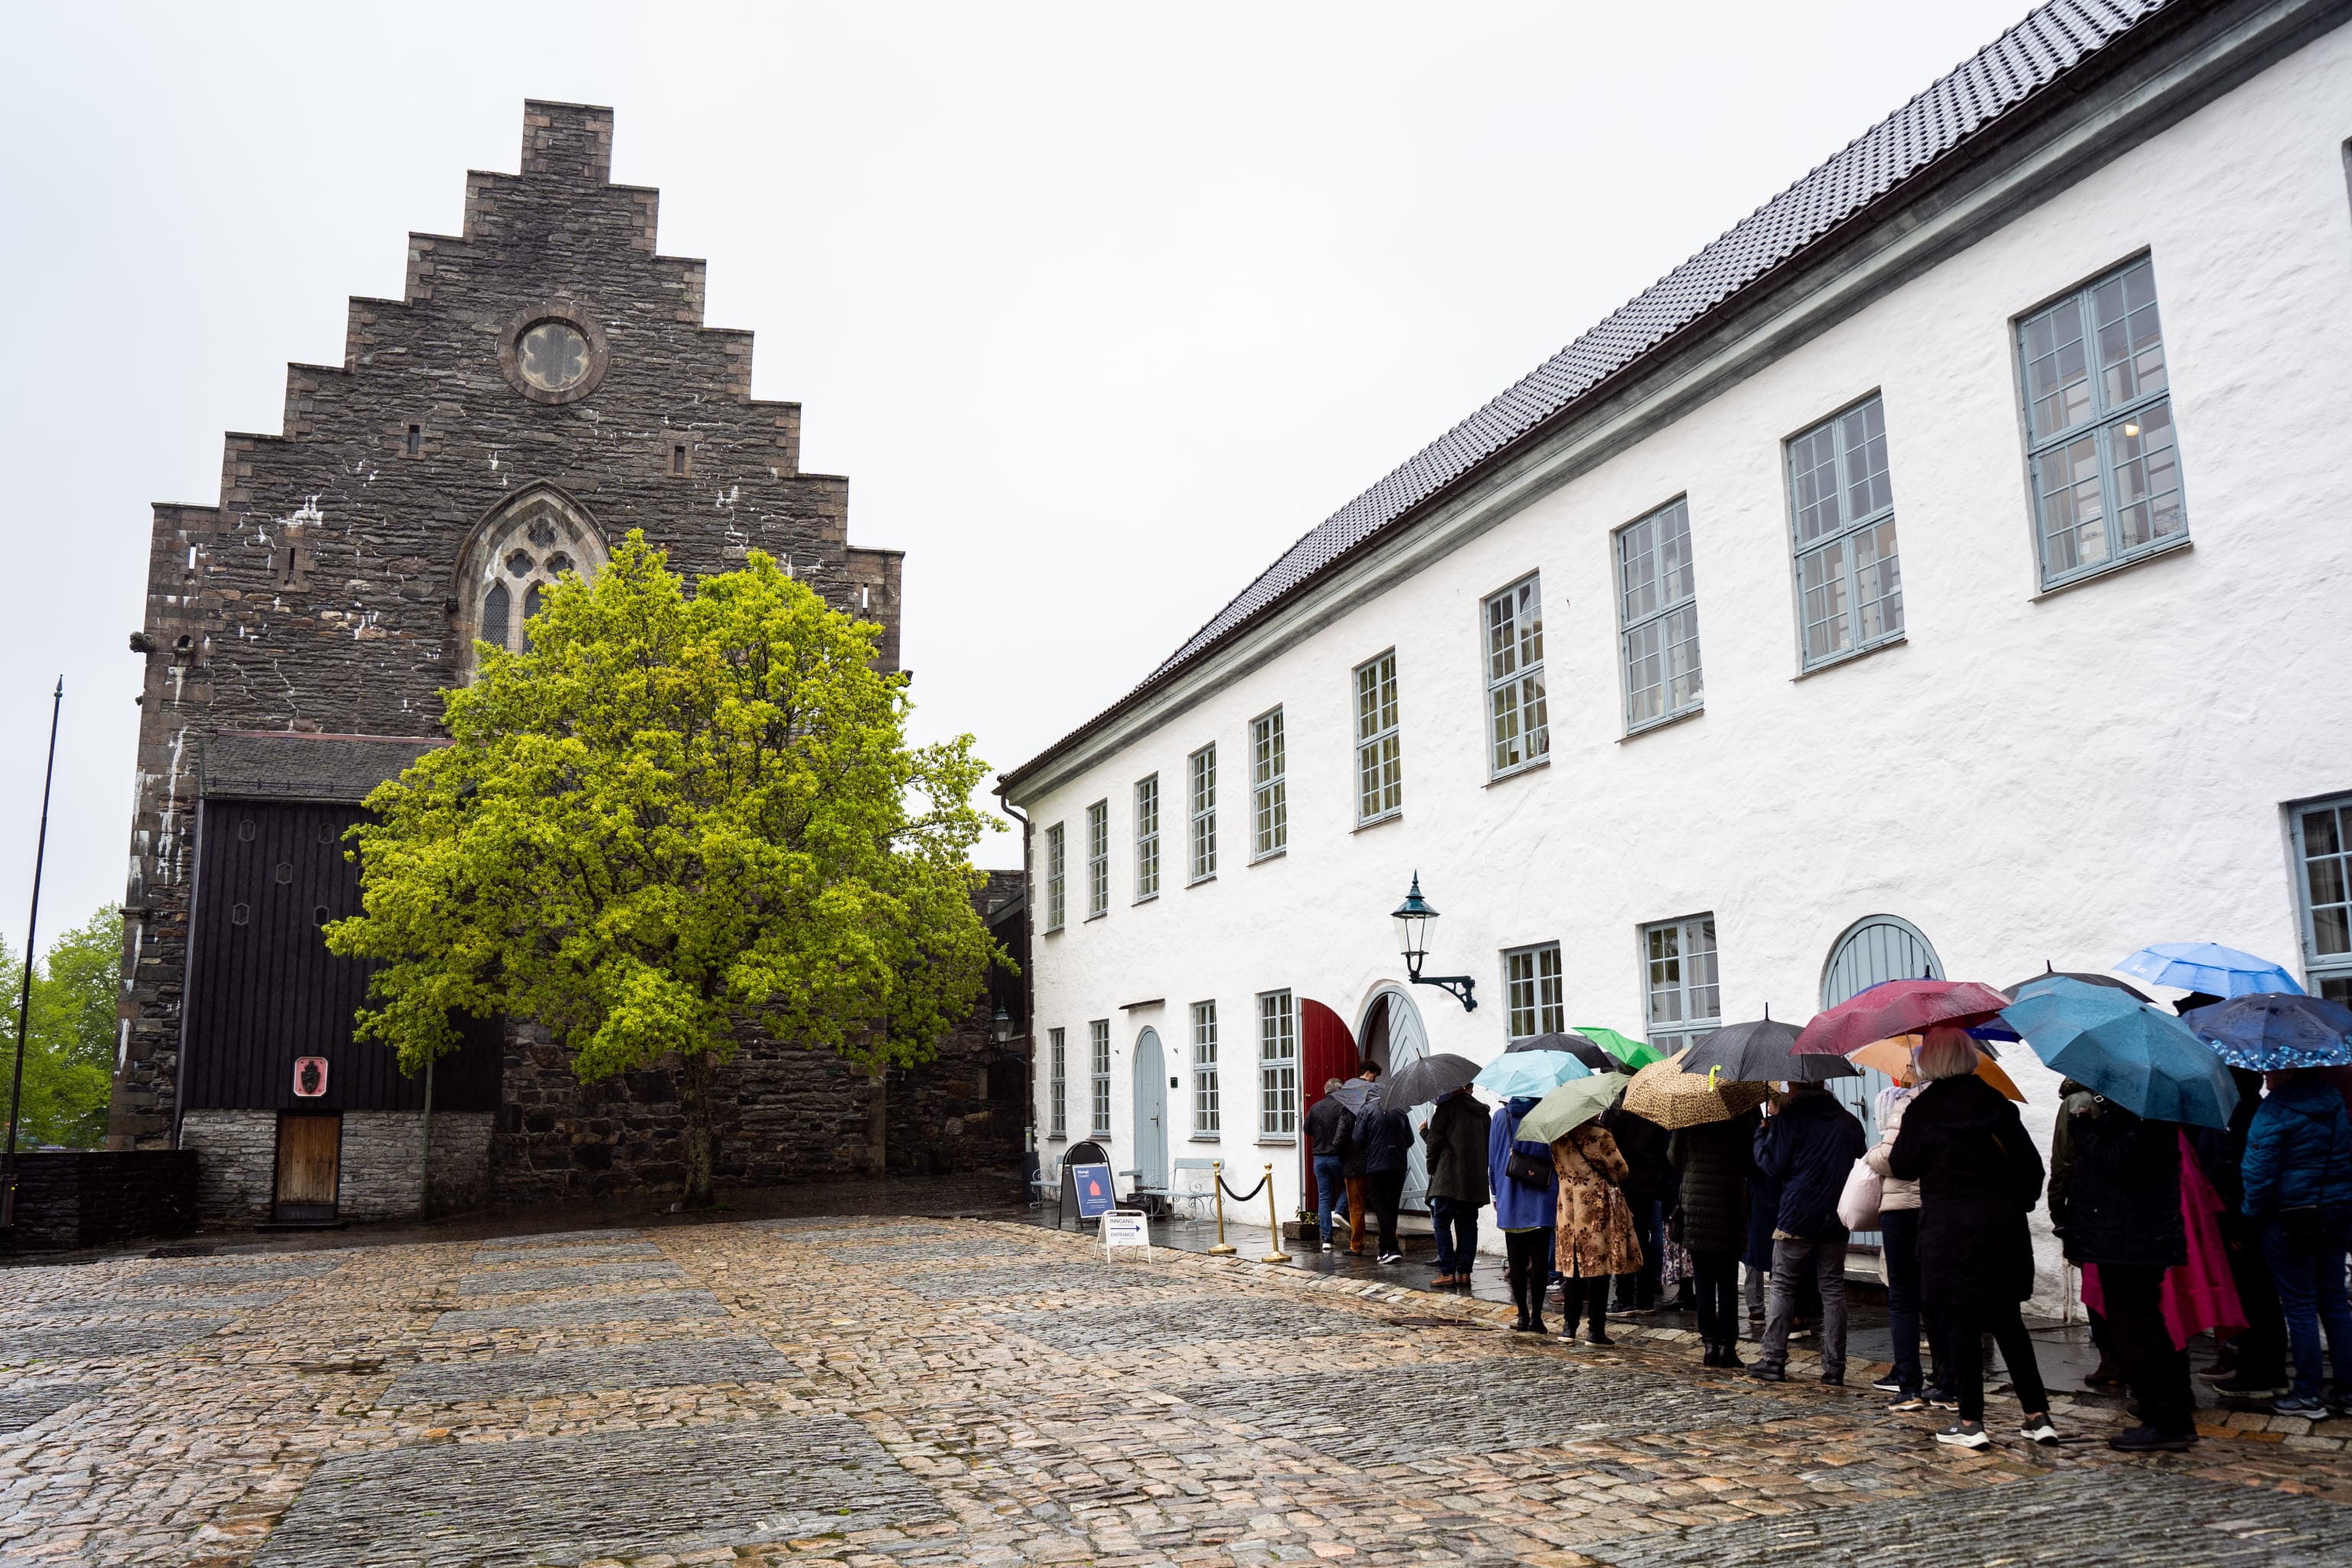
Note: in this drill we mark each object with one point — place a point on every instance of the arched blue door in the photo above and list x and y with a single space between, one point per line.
1878 948
1150 1113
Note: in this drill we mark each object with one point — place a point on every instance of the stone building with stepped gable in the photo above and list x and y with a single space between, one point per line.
545 385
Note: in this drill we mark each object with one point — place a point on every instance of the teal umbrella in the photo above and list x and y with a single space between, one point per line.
2140 1057
1570 1106
1528 1073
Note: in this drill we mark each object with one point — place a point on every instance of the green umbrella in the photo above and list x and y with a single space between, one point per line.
1635 1054
1570 1106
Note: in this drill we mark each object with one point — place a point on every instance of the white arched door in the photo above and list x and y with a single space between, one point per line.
1876 949
1150 1113
1407 1041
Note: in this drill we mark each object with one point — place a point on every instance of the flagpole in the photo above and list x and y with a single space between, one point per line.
24 997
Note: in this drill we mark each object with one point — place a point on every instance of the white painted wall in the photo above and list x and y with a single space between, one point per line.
2063 779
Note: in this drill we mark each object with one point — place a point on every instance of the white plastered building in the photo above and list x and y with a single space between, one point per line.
1947 571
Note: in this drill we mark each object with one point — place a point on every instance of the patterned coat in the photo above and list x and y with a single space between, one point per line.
1595 1228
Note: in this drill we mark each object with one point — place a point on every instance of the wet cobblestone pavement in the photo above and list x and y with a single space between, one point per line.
928 1392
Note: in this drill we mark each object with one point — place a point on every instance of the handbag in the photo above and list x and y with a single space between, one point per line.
1858 1205
1527 1170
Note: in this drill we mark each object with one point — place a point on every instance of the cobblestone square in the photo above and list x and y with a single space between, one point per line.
1008 1397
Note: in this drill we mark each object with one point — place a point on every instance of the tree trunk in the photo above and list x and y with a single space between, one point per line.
877 1121
694 1089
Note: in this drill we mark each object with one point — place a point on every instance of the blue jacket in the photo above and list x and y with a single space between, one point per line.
1387 1138
2299 1149
1518 1206
1807 1152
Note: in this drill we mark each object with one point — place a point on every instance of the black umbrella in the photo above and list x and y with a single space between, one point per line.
1355 1094
1762 1051
2010 991
1431 1078
1586 1051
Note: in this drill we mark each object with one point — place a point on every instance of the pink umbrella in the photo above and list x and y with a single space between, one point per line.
1898 1007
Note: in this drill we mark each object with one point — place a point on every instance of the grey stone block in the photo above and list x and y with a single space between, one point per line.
557 1237
565 1254
661 1363
21 1406
1204 1320
99 1342
647 1307
506 1281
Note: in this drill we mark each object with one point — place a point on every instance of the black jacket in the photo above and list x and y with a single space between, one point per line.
1649 1168
2123 1200
1357 1129
1808 1151
1980 1176
1330 1127
1387 1138
1714 1160
1456 1136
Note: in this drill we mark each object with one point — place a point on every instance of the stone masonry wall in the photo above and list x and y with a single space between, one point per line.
236 1163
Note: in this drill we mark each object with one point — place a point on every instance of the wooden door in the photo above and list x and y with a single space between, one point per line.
309 1152
1150 1113
1329 1052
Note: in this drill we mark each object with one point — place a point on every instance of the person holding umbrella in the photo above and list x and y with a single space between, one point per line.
1596 1240
1898 1229
1806 1152
1714 1157
1387 1137
1979 1177
1521 1176
1456 1136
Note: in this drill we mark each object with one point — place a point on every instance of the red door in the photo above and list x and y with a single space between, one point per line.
1328 1051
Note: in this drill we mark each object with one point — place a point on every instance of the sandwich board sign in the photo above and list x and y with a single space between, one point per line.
1094 1190
1126 1227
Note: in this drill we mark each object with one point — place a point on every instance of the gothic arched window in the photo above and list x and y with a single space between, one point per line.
520 551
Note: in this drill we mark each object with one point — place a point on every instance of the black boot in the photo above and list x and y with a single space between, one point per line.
1714 1356
1520 1299
1730 1352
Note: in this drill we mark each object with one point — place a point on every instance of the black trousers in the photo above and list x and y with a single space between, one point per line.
1524 1252
1387 1191
2156 1370
1965 1323
2261 1348
1719 1296
1588 1294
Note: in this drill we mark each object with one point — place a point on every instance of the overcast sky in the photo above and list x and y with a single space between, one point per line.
1099 306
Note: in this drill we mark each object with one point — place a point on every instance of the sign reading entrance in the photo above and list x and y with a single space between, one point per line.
1095 1198
309 1077
1124 1228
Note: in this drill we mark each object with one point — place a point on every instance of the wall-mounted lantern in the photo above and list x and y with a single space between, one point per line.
1412 918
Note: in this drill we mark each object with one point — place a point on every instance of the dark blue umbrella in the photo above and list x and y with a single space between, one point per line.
2141 1058
2272 1033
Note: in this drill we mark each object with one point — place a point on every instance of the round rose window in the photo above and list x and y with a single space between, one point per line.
553 356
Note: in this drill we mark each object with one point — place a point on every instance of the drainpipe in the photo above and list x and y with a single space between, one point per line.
1028 971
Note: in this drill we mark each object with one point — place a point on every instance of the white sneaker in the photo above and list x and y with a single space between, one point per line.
1326 1247
1393 1258
1965 1435
2039 1430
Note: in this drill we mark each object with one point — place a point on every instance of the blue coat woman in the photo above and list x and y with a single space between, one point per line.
1524 1211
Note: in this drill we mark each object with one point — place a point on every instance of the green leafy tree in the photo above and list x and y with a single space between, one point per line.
69 1055
673 818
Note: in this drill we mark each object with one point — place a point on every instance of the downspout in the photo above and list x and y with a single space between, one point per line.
1028 975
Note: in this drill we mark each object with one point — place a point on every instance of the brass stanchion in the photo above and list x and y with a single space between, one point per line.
1274 1223
1217 1176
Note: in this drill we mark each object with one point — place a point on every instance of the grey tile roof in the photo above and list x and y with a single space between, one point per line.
2027 59
274 765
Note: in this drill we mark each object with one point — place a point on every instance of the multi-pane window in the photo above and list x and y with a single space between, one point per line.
1204 1070
1269 788
2098 413
1531 990
1657 606
1379 766
1515 678
1685 999
1277 1065
1058 1111
1849 586
1203 770
1098 1064
2323 844
1055 892
1147 838
1098 858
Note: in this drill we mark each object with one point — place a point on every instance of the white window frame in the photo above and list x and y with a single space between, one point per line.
1098 1078
1277 1067
1098 859
1380 746
1207 1115
1200 797
1534 994
1651 633
1058 1105
2324 974
1147 838
1681 958
1843 536
1518 725
1269 787
1056 888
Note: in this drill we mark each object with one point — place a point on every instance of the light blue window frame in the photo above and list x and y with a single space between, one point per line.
1849 579
1098 859
2323 894
1147 838
1657 617
1098 1078
1056 884
2103 458
1059 1085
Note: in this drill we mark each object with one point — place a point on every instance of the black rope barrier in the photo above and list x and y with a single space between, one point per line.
1243 1198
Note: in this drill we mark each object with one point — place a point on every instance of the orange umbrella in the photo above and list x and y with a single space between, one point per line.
1892 1054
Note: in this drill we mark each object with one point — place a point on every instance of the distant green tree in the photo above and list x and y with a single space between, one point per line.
69 1058
671 817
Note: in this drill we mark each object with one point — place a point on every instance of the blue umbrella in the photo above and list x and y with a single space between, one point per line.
2273 1034
2138 1056
1519 1073
2209 967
